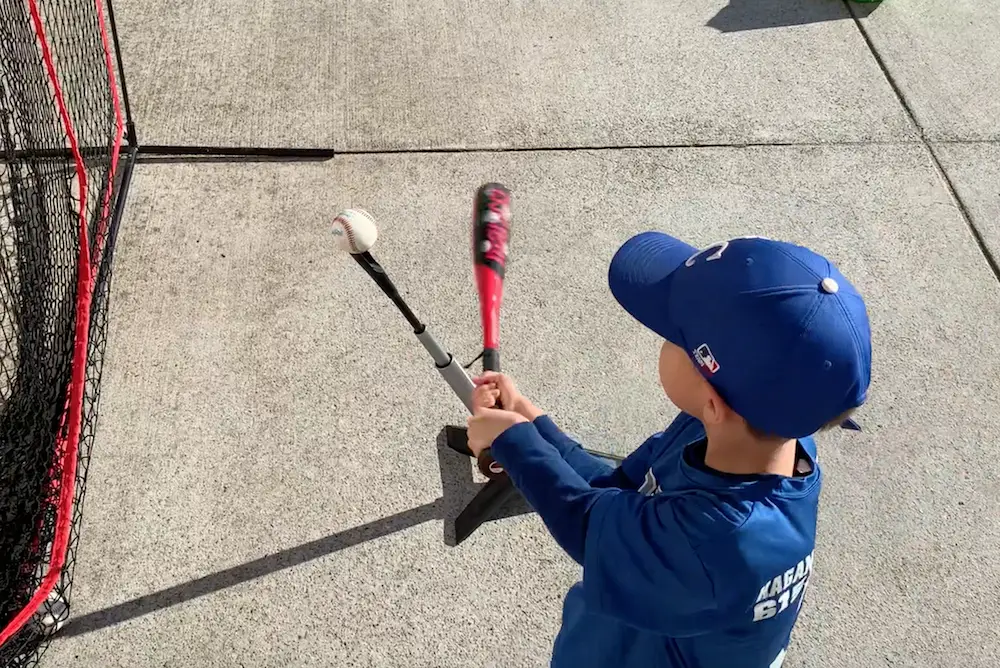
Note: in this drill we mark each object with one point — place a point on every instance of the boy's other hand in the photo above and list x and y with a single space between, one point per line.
485 395
486 424
510 398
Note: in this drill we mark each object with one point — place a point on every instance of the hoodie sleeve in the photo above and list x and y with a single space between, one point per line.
587 465
638 563
640 566
630 474
560 496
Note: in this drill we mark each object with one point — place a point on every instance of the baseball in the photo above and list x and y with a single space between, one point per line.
355 230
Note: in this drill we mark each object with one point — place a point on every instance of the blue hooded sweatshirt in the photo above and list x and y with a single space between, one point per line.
683 566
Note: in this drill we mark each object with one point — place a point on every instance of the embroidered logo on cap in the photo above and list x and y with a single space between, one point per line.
706 360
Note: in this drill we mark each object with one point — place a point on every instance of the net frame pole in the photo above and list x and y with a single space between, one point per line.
130 132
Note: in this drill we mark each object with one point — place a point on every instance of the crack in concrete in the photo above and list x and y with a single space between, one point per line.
991 260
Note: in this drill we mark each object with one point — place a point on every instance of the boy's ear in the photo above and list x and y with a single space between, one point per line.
715 409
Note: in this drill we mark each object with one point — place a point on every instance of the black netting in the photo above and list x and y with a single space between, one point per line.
45 187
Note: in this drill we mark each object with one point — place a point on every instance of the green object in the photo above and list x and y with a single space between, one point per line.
867 0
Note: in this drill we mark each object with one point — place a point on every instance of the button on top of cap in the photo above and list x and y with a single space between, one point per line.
829 285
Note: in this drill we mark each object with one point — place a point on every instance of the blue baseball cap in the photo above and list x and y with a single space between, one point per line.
778 331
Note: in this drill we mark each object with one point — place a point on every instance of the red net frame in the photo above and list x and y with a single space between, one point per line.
61 191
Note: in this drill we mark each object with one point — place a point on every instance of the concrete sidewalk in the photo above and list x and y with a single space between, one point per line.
369 75
268 486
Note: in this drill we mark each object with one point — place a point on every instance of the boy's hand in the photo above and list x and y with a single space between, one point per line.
485 396
510 398
486 424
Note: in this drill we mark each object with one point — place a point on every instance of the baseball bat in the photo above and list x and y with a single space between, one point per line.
490 238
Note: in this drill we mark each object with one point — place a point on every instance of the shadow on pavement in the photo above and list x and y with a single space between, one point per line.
458 487
742 15
863 10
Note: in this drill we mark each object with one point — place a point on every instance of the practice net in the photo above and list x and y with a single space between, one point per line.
61 133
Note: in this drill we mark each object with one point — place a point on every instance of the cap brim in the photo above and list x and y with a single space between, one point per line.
639 277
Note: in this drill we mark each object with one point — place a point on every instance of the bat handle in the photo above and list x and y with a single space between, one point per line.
488 466
491 359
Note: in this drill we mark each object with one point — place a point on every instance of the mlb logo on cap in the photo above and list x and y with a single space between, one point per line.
706 360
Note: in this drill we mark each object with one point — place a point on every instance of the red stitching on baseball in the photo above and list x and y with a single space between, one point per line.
347 230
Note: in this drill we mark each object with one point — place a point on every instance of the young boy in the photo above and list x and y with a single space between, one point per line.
697 550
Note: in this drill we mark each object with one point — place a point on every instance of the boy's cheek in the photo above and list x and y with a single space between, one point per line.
682 382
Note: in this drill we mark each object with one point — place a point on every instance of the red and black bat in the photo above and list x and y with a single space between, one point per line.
490 238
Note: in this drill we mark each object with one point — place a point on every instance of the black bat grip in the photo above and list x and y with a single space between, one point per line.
491 359
488 466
